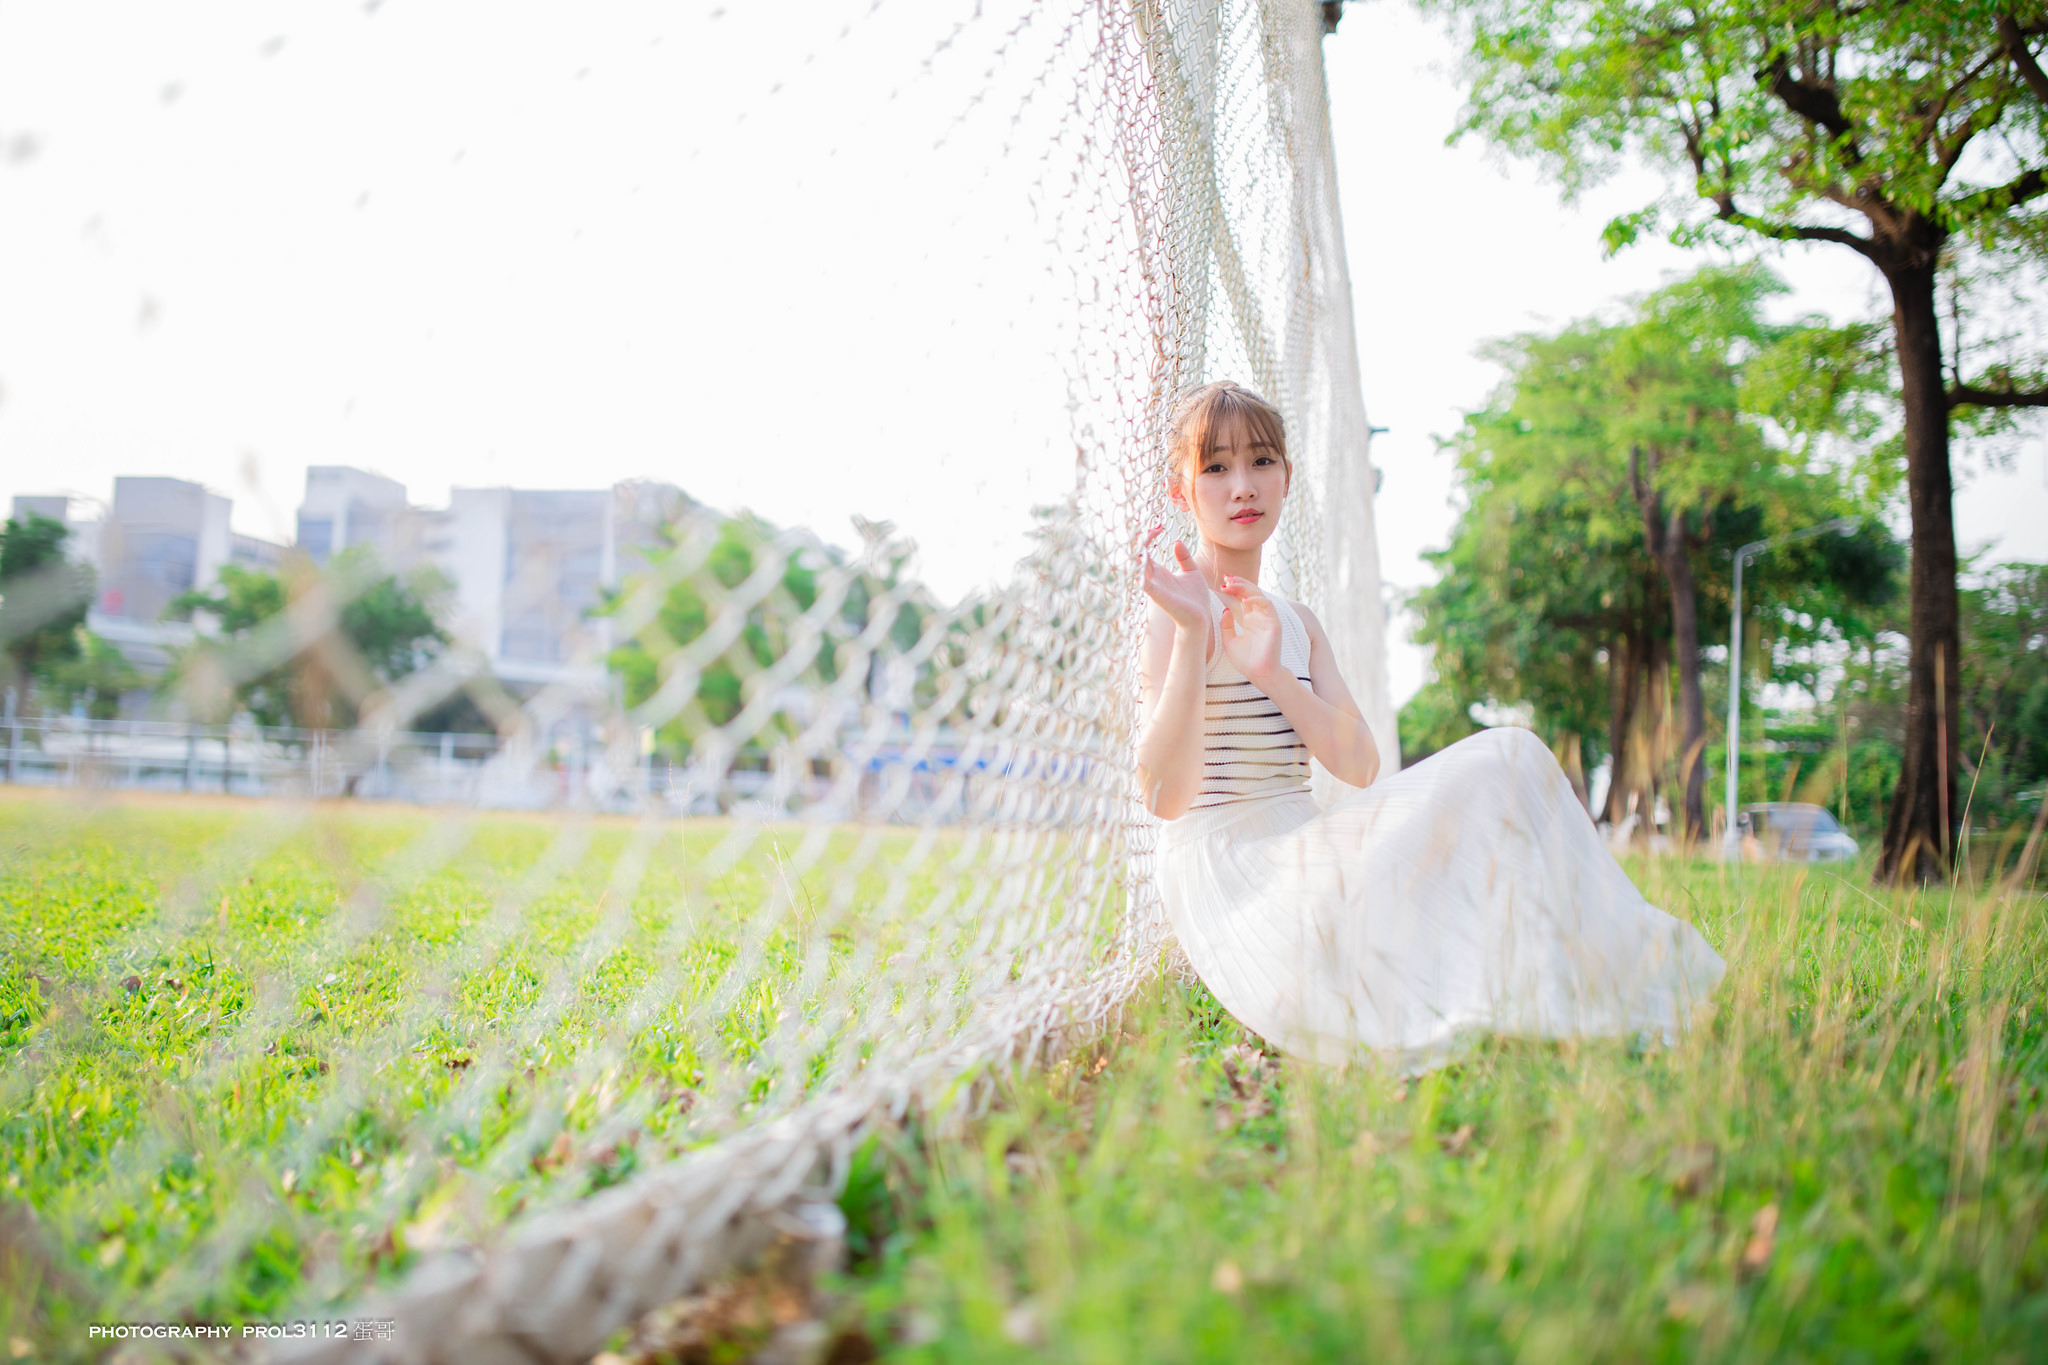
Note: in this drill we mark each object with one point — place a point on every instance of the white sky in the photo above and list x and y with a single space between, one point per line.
561 246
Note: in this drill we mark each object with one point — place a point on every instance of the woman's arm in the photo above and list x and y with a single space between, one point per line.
1327 719
1171 676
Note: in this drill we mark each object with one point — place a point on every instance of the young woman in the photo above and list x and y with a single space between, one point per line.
1467 894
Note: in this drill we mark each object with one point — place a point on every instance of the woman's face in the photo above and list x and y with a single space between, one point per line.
1237 488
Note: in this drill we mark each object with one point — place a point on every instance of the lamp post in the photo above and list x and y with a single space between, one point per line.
1731 840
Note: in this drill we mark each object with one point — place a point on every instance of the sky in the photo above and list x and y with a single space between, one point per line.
557 247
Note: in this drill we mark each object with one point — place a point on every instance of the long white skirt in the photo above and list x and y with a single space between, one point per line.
1468 894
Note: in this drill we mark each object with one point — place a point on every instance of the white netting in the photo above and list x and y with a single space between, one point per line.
945 792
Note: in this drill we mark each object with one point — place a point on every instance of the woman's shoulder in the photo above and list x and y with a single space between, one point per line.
1301 612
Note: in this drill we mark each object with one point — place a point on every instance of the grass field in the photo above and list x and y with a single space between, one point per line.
254 1058
1850 1164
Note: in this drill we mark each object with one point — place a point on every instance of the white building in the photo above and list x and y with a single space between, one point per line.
159 538
526 567
347 507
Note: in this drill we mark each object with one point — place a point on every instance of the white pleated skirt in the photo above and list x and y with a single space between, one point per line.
1469 894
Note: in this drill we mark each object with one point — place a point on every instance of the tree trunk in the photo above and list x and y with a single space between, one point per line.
1624 657
1653 714
1666 537
1919 828
1685 648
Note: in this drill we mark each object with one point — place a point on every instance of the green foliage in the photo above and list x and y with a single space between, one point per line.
1434 718
775 632
390 623
1773 114
96 677
44 597
1843 752
2005 694
1848 1160
374 629
1692 415
1544 567
1914 134
244 599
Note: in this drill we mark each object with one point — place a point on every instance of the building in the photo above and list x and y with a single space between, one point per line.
347 507
158 539
525 567
161 538
529 566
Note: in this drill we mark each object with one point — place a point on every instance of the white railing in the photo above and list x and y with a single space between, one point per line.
244 760
900 778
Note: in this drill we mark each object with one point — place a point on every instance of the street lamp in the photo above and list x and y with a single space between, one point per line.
1731 840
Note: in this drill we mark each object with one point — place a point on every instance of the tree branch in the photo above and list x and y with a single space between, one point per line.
1947 154
1817 104
2014 40
2023 187
1786 232
1968 395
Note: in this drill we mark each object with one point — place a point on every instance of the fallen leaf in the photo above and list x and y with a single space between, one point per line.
1226 1278
1688 1303
1763 1240
1690 1167
1245 1067
1458 1141
557 1153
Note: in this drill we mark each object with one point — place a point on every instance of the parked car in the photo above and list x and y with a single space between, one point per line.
1793 831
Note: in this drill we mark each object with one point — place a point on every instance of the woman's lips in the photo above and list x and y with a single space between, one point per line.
1246 517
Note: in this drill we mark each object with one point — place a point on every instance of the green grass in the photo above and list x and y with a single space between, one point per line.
1849 1163
255 1058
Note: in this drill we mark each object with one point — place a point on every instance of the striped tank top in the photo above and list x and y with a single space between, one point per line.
1249 749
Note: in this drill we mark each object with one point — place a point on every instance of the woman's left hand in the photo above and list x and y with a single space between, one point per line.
1251 630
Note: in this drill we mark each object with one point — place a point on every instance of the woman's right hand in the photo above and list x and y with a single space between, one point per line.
1181 592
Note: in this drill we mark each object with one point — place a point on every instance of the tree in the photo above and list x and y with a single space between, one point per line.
2005 698
1898 131
95 676
378 628
693 602
1618 463
1546 597
43 600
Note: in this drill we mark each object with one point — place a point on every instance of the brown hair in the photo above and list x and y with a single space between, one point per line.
1202 413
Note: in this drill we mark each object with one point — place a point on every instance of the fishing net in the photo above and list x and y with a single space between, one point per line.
886 845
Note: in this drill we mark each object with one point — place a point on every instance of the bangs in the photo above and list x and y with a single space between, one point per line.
1261 423
1202 416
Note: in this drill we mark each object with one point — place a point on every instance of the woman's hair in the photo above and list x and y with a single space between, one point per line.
1202 414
